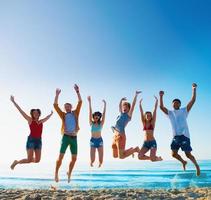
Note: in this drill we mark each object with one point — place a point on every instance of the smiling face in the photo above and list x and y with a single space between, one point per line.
96 117
125 107
35 114
148 116
176 104
68 107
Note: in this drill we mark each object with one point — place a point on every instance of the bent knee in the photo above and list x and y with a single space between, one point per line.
174 154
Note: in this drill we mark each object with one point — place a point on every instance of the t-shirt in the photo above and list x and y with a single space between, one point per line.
178 120
70 123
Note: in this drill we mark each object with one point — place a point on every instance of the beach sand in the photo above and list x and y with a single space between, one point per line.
115 194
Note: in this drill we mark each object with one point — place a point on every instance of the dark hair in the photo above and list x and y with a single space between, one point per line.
99 114
32 110
176 100
128 104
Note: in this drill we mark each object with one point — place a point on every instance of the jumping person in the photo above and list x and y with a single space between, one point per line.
69 130
96 121
119 140
148 119
180 129
34 140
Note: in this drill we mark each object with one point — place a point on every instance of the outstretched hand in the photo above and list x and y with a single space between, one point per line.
89 98
104 101
51 112
76 88
140 102
161 93
12 98
194 85
58 91
156 99
138 92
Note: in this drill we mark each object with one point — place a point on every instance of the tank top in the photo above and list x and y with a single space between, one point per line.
36 129
95 128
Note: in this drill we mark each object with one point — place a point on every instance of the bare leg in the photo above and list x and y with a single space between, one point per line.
37 155
141 155
125 153
153 156
100 154
92 155
192 158
29 159
71 165
58 164
178 157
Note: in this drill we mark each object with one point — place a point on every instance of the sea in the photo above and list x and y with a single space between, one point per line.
113 175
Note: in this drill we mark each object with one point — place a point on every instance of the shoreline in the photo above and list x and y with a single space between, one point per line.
110 194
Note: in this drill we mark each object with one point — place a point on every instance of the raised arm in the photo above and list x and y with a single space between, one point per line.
56 99
77 92
120 104
104 112
162 107
27 117
90 110
155 111
141 110
130 113
56 106
193 99
46 118
78 107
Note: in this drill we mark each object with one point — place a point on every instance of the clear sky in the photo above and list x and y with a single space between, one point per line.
110 48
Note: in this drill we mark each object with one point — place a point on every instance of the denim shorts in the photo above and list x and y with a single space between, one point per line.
150 144
180 141
96 142
34 143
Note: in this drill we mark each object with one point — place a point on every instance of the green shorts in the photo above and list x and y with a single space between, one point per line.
69 141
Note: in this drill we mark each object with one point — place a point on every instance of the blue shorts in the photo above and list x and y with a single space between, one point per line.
150 144
180 141
34 143
96 142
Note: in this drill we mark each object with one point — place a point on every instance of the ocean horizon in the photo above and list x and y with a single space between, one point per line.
113 175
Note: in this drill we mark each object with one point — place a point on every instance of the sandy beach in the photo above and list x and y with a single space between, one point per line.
115 194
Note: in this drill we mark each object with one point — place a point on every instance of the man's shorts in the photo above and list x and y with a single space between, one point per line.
180 141
69 141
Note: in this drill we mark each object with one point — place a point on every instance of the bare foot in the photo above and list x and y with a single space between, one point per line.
184 165
198 171
91 164
159 158
68 177
56 178
137 150
100 164
15 162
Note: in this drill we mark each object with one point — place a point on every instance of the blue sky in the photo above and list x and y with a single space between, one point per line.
110 48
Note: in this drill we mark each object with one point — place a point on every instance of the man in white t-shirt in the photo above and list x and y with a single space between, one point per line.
181 136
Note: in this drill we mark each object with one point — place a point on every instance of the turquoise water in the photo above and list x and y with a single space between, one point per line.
148 175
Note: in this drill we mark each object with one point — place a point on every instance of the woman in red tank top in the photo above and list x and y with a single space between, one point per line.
148 119
34 141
